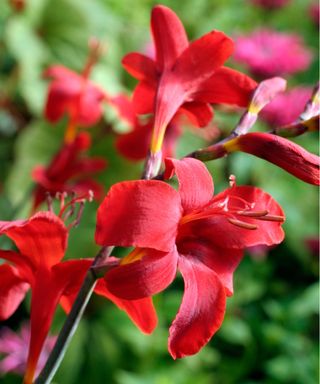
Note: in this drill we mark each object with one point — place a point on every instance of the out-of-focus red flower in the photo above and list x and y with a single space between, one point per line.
183 74
74 95
286 107
41 243
70 170
269 53
270 4
14 348
201 235
135 144
314 11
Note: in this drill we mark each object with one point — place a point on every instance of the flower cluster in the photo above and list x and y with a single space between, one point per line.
186 230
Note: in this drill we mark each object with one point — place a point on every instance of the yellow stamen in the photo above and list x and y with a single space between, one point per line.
135 255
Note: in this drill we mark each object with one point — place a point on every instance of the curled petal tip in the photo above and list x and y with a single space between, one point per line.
265 92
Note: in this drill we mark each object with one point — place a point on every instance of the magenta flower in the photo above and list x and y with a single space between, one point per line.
286 107
14 347
269 53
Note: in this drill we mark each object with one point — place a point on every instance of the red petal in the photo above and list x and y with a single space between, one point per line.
195 182
169 36
226 86
143 98
42 239
88 108
170 96
281 152
69 275
50 285
130 215
202 58
61 97
141 312
25 266
143 278
201 312
200 114
135 144
140 66
45 297
12 290
125 108
59 72
226 235
222 261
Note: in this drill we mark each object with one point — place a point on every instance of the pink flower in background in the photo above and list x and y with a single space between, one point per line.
14 347
270 4
286 107
269 53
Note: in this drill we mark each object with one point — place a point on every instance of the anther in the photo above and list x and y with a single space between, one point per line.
280 219
242 224
253 213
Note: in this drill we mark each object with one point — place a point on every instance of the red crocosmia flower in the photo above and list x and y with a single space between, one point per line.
183 74
286 107
70 171
200 235
41 243
74 95
279 151
135 144
269 53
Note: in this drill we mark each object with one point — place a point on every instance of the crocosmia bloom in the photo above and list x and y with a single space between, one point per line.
74 95
14 348
201 235
70 170
184 75
286 107
135 144
41 243
268 53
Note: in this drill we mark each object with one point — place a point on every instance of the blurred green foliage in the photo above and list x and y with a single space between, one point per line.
270 331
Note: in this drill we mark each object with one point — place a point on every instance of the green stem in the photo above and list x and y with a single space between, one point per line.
152 166
73 319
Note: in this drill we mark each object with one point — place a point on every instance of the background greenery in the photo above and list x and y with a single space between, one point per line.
270 333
